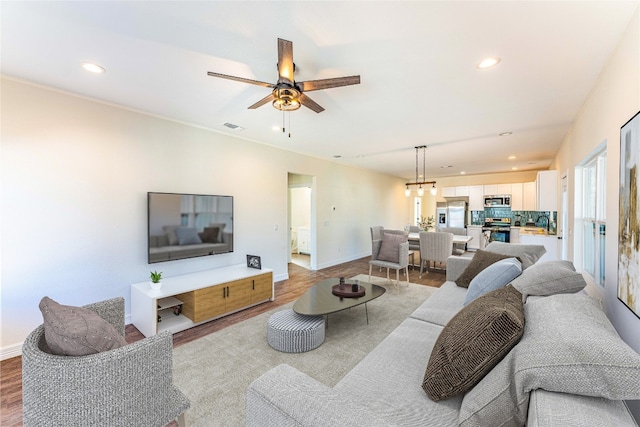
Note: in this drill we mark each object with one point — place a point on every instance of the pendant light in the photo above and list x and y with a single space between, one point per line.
433 190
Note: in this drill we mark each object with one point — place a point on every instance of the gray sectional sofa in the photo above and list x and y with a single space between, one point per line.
569 368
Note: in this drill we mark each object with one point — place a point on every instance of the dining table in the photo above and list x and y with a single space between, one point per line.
457 238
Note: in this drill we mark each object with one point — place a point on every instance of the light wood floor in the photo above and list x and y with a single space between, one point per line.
300 279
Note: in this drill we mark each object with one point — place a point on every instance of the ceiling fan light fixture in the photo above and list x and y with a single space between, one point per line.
287 99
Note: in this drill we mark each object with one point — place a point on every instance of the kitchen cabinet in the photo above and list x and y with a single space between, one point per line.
504 189
476 197
547 190
550 243
448 191
529 196
462 191
516 197
475 231
490 189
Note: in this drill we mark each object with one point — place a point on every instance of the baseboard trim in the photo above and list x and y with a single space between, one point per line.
11 351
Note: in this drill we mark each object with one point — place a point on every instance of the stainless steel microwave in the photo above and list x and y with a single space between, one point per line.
498 201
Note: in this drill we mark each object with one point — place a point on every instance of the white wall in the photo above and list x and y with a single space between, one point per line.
75 174
613 100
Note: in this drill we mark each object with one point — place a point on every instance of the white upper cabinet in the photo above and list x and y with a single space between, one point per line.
547 186
448 191
516 197
462 191
476 197
490 189
504 189
529 197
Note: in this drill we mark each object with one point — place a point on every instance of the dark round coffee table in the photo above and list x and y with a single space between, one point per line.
319 299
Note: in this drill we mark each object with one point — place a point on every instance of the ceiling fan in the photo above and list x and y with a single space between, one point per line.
287 94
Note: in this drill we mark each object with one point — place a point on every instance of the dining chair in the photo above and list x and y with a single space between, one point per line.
412 247
435 247
379 259
458 248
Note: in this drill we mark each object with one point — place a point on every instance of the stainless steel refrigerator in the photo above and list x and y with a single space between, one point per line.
457 214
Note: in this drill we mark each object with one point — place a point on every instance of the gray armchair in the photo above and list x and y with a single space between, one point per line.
402 264
434 247
128 386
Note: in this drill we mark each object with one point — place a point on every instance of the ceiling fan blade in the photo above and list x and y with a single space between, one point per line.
328 83
285 61
310 103
240 79
263 101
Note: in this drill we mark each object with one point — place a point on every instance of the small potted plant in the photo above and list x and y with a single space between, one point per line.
155 280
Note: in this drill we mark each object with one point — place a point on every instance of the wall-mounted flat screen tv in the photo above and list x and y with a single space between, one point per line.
188 225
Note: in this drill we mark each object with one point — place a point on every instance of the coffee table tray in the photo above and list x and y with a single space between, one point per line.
347 292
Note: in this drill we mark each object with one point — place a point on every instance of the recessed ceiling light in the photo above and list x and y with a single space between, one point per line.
488 62
505 134
462 172
515 168
275 128
359 156
337 156
446 167
512 157
93 68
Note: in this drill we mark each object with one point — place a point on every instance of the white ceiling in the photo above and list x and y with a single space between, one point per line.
416 60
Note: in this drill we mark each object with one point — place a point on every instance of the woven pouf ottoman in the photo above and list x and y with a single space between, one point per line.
290 332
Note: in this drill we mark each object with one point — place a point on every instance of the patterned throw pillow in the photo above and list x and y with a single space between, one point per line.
390 247
473 342
77 331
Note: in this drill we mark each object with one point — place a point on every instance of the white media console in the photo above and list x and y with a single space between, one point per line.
192 299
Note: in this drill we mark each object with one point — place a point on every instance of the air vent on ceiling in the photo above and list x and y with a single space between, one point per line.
232 126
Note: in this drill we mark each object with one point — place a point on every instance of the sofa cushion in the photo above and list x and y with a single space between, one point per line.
549 278
495 276
480 261
527 254
390 247
568 346
210 235
473 342
440 307
188 236
388 379
77 331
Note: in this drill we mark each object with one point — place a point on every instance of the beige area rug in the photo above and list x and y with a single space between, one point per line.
215 371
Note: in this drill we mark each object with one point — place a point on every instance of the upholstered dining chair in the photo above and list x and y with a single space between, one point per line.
127 386
391 253
412 248
458 248
435 247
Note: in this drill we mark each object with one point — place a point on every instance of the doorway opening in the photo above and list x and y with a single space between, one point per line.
301 221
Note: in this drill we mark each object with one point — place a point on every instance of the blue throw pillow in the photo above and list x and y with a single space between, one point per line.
493 277
187 236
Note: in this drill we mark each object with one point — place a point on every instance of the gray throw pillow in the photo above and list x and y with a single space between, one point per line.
549 278
188 236
390 247
495 276
481 260
473 342
568 346
77 331
170 231
527 254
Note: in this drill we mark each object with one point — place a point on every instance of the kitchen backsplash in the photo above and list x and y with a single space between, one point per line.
525 218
